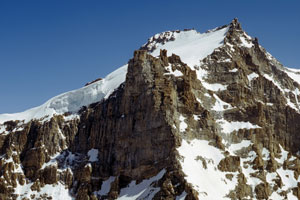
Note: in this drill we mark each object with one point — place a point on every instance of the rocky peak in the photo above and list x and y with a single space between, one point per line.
191 116
235 24
160 38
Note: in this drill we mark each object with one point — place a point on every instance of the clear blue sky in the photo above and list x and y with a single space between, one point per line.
49 47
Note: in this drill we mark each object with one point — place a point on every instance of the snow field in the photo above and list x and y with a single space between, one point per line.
143 190
229 127
199 162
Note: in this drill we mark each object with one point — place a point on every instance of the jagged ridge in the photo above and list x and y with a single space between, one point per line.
226 114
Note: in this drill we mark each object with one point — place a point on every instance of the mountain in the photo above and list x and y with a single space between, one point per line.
191 116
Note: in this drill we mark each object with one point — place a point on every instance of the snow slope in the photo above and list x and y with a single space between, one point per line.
199 161
192 46
72 101
294 74
143 190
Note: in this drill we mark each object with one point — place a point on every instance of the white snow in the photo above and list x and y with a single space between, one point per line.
296 92
233 70
144 190
238 146
290 104
70 159
52 161
245 43
265 154
231 47
269 56
199 100
291 196
56 191
293 69
225 60
167 35
220 105
283 155
176 73
247 36
229 127
252 76
270 177
202 75
287 177
198 159
295 105
61 134
270 78
207 95
205 179
192 46
105 187
3 129
16 167
214 86
93 155
182 125
196 117
247 169
72 101
294 74
276 196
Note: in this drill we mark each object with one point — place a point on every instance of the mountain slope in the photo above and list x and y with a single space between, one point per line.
192 116
71 102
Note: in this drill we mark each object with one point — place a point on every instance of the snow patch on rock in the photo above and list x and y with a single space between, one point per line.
199 162
252 76
144 190
192 46
229 127
176 72
183 125
105 187
220 105
93 155
56 191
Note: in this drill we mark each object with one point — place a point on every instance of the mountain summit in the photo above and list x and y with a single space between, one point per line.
191 116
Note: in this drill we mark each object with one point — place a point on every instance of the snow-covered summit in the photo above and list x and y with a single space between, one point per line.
190 45
201 124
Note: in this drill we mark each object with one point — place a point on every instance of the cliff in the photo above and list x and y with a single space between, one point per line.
192 116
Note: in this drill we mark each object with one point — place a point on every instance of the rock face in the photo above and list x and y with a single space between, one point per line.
227 127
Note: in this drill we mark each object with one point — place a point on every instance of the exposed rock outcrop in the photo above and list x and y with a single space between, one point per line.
235 115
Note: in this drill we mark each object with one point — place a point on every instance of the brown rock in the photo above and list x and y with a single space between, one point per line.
262 191
229 164
49 175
